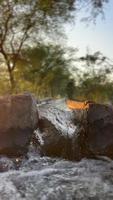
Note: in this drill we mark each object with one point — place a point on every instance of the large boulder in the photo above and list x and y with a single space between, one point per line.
99 131
18 119
75 134
59 134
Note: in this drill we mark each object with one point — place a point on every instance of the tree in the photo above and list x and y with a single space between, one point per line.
95 82
47 68
71 89
22 22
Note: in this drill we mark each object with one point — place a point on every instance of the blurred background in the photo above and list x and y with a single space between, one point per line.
57 49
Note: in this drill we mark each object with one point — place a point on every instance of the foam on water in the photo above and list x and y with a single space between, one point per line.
45 178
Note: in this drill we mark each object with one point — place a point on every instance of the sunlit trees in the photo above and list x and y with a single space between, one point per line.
47 68
96 78
22 22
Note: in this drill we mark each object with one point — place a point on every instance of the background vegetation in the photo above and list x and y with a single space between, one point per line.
31 59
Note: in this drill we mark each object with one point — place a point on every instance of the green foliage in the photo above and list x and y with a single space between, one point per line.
42 69
70 89
23 23
96 82
46 68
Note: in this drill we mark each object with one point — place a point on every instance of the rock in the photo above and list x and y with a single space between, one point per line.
76 134
18 119
57 134
45 100
99 133
6 164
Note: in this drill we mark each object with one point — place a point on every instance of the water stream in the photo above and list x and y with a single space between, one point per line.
45 178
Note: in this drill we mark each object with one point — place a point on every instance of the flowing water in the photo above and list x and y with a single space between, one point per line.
45 178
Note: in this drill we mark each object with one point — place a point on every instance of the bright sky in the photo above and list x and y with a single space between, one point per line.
97 37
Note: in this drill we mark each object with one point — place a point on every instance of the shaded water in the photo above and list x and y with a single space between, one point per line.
44 178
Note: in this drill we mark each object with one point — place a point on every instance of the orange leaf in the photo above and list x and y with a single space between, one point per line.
77 105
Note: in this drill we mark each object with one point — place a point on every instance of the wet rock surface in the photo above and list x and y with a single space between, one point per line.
75 134
99 133
58 134
18 119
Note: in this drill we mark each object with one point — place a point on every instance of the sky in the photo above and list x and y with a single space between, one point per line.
96 37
